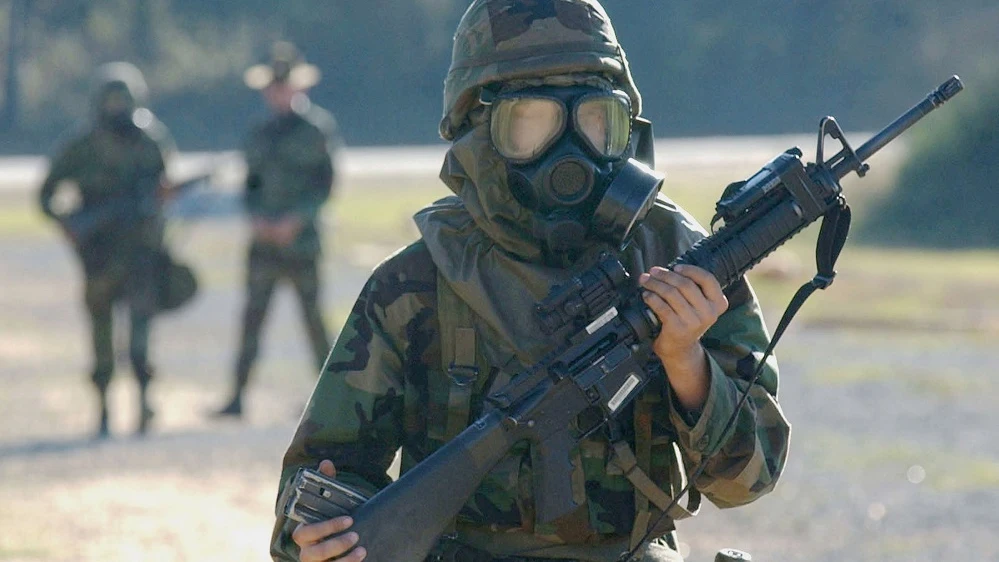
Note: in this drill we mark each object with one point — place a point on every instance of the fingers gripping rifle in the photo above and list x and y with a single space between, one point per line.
602 364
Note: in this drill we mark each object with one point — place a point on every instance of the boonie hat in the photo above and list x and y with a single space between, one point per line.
286 65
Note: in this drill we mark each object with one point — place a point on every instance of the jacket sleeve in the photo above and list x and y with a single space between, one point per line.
251 186
315 156
746 459
322 182
354 417
318 165
60 168
334 148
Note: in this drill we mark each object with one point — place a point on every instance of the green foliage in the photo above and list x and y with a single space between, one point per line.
947 193
706 67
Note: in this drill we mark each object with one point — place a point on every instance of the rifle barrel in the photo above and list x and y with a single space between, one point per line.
933 100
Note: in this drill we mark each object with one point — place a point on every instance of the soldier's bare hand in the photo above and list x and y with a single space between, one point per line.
286 230
262 230
687 301
165 191
315 542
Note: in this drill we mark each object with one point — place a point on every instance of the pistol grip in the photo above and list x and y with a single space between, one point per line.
559 486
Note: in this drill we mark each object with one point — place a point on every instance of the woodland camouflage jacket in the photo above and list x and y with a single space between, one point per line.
383 388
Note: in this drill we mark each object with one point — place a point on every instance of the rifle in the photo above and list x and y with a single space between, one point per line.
122 210
600 366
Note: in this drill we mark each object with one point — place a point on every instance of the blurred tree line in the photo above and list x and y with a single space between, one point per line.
947 194
705 68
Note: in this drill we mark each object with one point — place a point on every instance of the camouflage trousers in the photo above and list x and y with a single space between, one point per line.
267 266
129 279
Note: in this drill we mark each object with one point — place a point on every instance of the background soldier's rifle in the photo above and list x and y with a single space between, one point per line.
123 210
175 282
601 365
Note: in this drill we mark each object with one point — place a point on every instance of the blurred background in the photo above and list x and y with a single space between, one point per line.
889 378
710 69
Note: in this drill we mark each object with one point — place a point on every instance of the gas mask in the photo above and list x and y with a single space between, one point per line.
115 107
570 154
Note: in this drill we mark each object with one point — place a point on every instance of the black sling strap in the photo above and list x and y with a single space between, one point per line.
832 236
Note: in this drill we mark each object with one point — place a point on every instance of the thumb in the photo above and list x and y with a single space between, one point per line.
327 468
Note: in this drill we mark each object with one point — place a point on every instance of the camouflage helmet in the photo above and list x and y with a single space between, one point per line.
120 76
501 40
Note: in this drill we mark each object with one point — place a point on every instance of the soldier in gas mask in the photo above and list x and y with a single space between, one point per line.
116 170
543 116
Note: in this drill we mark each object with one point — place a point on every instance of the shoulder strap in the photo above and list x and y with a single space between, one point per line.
635 467
458 360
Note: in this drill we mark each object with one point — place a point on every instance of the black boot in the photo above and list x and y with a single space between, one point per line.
146 413
233 409
102 428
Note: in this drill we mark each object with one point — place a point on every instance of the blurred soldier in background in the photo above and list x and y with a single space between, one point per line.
290 174
116 170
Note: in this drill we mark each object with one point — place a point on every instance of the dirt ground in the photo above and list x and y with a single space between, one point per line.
894 452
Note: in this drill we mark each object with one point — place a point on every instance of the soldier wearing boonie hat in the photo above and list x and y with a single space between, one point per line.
287 65
291 171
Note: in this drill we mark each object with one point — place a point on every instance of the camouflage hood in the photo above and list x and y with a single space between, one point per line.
122 77
477 174
481 245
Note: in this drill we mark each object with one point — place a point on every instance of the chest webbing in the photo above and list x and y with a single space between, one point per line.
462 362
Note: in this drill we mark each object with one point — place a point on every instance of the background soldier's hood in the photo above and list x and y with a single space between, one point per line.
481 243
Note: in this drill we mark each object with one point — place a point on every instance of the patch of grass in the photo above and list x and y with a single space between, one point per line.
945 384
381 212
898 289
936 383
946 471
850 374
18 220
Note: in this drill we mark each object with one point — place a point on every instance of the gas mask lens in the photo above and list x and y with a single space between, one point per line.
524 125
523 128
604 122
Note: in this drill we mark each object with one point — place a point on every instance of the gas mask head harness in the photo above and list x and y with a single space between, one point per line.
574 158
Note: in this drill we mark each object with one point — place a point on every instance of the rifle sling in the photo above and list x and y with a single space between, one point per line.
625 458
832 236
460 361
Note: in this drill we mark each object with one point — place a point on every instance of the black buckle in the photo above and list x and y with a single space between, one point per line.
823 281
462 375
